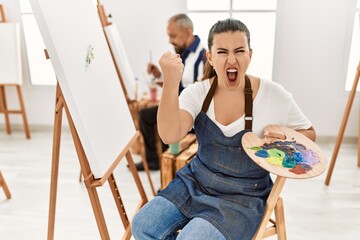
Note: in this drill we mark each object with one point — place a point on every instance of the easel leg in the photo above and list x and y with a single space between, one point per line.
23 113
86 172
118 201
136 179
99 215
4 186
55 165
343 125
358 161
4 108
146 166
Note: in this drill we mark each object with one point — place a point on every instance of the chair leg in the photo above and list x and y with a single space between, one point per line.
280 220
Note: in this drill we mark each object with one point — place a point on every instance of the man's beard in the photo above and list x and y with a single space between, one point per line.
179 49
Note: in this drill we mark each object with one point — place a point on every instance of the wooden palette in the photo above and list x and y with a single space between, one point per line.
285 152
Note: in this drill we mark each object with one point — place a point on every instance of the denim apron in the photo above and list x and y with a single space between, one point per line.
221 184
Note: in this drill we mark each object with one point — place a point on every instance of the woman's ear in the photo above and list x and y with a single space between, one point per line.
209 57
250 52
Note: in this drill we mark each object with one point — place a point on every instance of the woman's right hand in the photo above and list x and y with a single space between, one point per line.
172 69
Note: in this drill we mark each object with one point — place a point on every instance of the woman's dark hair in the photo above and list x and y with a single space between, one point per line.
227 25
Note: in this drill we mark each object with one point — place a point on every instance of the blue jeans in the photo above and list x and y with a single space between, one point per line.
161 219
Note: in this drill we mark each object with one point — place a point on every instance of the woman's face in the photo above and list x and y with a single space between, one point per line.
230 56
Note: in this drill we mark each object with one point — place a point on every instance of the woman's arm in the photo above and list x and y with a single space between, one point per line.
309 133
173 123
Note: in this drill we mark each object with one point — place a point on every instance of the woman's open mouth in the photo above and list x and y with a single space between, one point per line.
232 74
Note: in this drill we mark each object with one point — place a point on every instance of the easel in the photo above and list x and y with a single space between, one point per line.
3 104
4 186
133 104
90 182
343 126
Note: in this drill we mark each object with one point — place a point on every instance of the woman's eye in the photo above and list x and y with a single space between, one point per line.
221 52
240 51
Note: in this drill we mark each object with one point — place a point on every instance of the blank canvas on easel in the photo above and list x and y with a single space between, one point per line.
87 76
121 59
10 54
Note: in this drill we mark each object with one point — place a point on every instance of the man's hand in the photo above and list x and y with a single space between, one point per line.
154 70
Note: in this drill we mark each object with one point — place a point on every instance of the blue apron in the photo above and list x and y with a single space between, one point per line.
221 184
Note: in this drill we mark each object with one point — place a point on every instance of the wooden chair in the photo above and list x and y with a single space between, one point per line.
4 186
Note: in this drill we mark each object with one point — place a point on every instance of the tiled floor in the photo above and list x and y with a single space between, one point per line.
312 210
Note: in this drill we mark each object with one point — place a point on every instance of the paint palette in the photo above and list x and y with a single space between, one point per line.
285 152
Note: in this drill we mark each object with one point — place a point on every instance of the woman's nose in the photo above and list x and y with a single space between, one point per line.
231 58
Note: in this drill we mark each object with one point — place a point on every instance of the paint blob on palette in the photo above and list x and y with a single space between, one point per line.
289 154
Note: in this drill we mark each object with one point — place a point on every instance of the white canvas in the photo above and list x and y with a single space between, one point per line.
10 54
87 76
121 59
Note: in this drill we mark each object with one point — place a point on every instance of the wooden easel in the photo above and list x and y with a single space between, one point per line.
132 104
2 14
3 104
90 182
4 186
343 126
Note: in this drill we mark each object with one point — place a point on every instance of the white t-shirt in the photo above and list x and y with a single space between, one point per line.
272 105
189 65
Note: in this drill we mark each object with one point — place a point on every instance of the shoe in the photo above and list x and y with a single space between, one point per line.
140 167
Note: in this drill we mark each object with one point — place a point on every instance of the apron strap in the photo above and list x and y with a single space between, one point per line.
248 104
248 101
209 96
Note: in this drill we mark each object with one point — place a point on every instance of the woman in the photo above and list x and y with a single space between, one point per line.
221 193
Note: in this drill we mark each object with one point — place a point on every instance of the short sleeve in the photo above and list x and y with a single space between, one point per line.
296 118
192 97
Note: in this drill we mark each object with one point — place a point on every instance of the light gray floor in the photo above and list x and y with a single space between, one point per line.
312 210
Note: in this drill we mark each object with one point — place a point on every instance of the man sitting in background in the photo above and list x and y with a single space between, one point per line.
192 52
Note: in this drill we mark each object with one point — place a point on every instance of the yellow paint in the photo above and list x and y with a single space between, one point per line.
276 156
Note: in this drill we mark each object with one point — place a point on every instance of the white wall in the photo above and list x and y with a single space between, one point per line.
312 44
